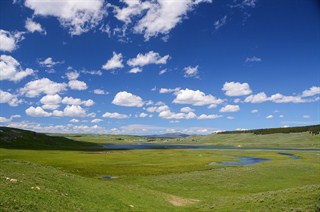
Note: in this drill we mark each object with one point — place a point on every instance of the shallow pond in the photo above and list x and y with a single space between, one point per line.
243 161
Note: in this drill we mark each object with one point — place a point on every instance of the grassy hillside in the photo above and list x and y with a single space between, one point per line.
24 139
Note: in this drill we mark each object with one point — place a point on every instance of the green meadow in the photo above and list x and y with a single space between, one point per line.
65 173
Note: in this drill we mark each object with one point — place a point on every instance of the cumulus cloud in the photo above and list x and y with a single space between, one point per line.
158 17
9 40
49 62
11 99
77 16
33 26
74 120
257 98
191 72
37 112
72 75
186 109
127 99
148 58
135 70
77 85
96 120
230 108
212 116
44 85
143 115
50 102
195 97
253 59
114 63
169 90
157 109
311 91
115 115
167 114
71 111
254 111
76 101
11 70
236 89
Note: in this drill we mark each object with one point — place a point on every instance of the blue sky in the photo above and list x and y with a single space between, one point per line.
146 67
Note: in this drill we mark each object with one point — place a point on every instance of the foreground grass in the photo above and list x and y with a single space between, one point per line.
159 180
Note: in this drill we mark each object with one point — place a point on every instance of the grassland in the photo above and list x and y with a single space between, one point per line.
67 176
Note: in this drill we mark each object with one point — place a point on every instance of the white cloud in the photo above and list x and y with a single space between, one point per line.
212 116
306 116
77 101
244 3
51 99
279 98
96 120
269 117
71 101
6 97
221 22
158 109
143 115
11 70
167 114
257 98
115 115
236 89
230 117
50 102
49 62
253 59
163 71
230 108
186 110
4 120
88 103
254 111
37 112
197 98
311 91
77 16
191 71
148 58
127 99
135 70
92 72
114 63
161 16
73 111
9 40
33 26
169 90
100 92
44 85
74 120
77 85
73 75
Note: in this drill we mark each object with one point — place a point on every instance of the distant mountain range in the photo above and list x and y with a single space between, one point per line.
169 135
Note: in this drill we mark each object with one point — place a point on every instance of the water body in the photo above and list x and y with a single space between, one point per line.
243 161
107 177
144 146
